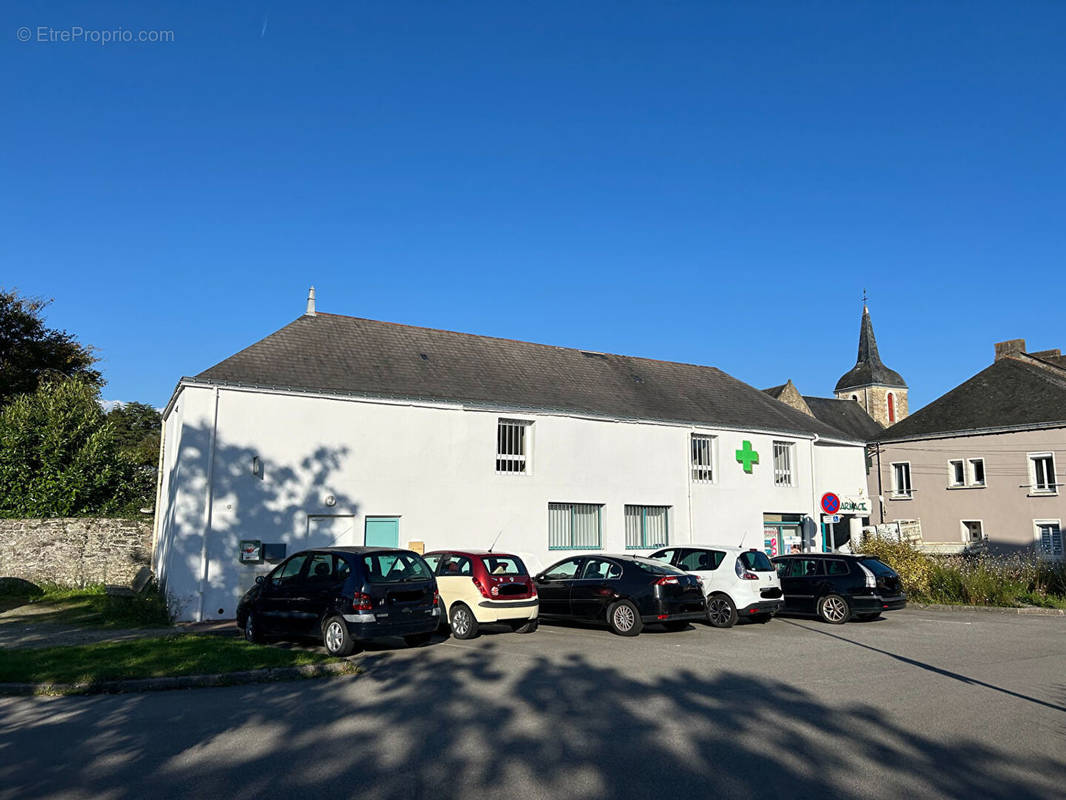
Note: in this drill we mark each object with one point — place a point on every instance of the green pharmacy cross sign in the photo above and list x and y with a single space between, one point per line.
747 456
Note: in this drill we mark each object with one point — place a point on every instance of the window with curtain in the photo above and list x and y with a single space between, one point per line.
574 526
647 526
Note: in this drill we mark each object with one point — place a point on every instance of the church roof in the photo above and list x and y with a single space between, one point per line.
1011 393
869 370
337 354
845 415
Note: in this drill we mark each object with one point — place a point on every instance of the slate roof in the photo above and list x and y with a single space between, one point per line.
349 355
845 415
1011 393
869 370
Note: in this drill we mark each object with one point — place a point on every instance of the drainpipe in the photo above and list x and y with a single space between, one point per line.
880 490
208 503
688 482
814 487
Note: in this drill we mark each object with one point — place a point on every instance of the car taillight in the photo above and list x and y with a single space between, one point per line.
481 588
871 581
532 589
436 597
666 580
362 602
743 573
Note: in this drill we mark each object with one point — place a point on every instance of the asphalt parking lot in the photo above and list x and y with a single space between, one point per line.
921 703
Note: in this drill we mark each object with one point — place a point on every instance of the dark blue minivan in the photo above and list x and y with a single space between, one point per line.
344 595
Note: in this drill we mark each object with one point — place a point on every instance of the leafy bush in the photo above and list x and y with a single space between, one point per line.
915 568
977 579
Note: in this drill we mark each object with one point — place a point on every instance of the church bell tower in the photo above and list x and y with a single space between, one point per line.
881 391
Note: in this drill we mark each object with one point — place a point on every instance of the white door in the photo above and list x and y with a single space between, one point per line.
330 530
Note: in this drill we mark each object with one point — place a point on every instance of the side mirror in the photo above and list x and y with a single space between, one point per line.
260 578
540 578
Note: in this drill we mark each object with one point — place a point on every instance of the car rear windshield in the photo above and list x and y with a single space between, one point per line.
756 561
395 567
504 565
657 567
878 567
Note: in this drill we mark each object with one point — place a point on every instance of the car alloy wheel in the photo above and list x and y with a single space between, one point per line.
834 609
251 629
464 625
334 636
624 619
721 612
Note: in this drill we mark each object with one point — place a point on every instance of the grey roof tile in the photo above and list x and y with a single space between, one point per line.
1010 393
351 355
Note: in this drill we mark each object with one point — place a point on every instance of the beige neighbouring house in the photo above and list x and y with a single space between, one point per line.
983 464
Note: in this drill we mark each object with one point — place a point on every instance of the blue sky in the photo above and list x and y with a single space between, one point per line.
704 182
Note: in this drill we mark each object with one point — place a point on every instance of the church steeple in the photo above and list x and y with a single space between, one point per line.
880 390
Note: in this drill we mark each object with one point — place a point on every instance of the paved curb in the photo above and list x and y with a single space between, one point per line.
184 681
1031 611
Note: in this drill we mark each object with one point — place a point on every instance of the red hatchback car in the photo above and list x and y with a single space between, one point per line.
479 587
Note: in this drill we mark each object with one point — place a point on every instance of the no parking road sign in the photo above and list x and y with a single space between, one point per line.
830 503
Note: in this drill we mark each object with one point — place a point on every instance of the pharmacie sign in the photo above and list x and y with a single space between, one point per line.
858 505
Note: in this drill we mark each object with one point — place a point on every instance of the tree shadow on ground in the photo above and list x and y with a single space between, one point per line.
450 722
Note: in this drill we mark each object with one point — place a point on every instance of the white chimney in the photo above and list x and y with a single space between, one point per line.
310 303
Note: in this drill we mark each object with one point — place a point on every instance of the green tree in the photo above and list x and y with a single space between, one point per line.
59 456
31 351
136 427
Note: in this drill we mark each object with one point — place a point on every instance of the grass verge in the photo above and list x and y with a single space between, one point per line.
90 606
170 656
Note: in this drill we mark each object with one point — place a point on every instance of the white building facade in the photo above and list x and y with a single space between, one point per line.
246 463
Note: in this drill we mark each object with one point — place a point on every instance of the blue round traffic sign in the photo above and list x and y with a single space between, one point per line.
830 503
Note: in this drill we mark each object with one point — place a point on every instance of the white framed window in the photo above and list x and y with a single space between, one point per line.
977 471
973 530
513 445
574 526
1048 538
647 526
901 479
1042 474
784 455
702 454
956 473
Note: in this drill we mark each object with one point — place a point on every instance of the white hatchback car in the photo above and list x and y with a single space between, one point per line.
740 584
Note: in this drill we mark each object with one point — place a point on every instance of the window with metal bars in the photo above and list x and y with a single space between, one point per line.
512 445
1049 539
647 526
783 458
574 526
702 458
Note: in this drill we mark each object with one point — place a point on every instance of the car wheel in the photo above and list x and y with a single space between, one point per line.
834 609
336 638
464 626
721 612
417 639
624 618
527 627
251 629
675 625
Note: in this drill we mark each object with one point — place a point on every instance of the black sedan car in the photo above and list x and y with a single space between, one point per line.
343 595
837 587
624 591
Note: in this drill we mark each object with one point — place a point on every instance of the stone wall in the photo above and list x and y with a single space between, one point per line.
74 552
